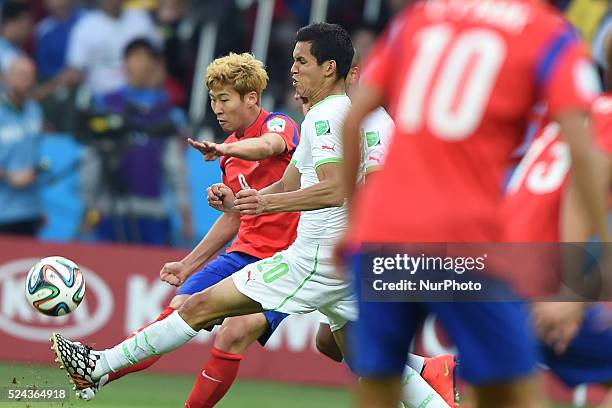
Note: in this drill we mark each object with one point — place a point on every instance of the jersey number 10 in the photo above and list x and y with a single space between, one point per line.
452 103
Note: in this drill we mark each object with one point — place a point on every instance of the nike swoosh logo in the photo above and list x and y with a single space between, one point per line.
209 377
446 370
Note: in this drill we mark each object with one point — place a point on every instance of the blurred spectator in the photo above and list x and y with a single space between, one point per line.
179 37
56 92
97 42
15 30
586 15
292 105
51 37
601 42
123 185
20 124
363 38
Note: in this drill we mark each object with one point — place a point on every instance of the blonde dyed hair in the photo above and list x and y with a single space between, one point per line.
243 72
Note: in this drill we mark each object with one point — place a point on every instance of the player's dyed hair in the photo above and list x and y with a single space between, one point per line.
242 72
329 42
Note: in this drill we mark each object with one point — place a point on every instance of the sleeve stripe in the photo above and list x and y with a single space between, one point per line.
293 162
552 54
325 161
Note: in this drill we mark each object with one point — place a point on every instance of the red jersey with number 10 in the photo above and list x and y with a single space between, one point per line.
262 235
460 79
535 191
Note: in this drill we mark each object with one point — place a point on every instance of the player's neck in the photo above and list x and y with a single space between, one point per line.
336 88
251 118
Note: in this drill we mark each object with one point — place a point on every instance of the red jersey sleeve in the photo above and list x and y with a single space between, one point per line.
567 77
283 126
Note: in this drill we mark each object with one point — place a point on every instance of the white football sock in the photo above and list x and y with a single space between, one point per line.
417 393
159 338
416 362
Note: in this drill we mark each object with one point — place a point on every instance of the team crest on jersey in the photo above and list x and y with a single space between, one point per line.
277 125
372 138
322 127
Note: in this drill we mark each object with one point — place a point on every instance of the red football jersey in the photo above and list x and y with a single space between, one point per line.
262 235
460 79
535 191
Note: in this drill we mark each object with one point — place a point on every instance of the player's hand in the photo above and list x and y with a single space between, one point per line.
174 273
557 323
221 197
250 202
210 150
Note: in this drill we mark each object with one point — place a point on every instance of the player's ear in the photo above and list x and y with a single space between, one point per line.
251 98
331 67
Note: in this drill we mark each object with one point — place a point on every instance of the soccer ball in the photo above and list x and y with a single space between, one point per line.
55 286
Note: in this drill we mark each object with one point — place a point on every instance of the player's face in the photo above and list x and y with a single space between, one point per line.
230 108
307 75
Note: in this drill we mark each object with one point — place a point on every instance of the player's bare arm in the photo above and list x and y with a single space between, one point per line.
267 145
327 193
365 101
219 235
289 182
575 126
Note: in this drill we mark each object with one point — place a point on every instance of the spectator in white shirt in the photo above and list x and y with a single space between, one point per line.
97 42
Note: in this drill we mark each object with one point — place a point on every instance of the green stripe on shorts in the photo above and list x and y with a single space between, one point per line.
310 275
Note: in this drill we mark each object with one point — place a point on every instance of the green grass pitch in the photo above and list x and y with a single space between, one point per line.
146 390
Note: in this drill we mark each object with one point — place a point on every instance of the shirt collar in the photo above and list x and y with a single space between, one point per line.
255 127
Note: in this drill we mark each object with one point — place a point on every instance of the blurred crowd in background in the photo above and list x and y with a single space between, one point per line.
116 77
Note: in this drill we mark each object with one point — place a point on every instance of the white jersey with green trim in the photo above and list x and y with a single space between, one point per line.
376 131
321 143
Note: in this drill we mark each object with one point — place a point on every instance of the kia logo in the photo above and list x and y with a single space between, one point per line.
19 319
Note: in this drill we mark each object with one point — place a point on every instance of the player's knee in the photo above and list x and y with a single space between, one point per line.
326 344
196 310
178 301
236 334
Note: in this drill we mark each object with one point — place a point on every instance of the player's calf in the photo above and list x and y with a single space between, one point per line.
326 343
220 371
237 333
90 393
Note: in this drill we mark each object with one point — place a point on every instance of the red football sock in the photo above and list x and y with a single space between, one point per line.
216 378
149 361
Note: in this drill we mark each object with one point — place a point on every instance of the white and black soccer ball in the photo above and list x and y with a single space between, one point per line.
55 286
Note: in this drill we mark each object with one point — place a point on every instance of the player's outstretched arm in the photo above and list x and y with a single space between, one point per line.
326 193
259 148
366 100
219 235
